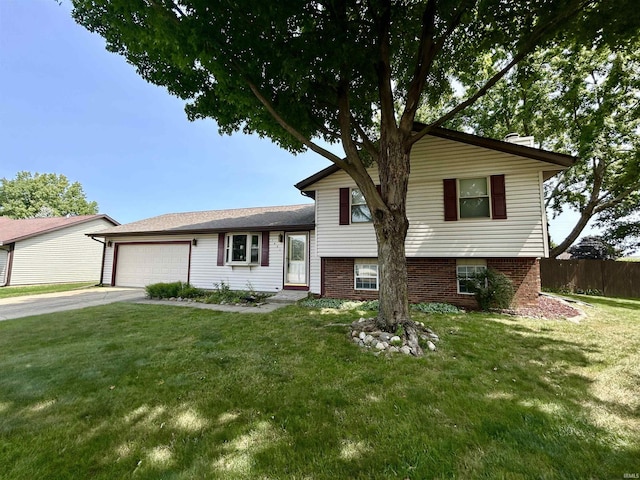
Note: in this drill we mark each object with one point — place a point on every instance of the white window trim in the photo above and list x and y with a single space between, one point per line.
228 249
351 205
468 262
365 263
458 190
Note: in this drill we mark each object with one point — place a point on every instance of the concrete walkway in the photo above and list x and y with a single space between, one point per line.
279 300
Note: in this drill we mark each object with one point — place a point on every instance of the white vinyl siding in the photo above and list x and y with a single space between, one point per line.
205 272
62 256
434 159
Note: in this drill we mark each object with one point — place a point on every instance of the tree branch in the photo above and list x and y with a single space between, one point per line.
427 51
383 69
292 131
528 47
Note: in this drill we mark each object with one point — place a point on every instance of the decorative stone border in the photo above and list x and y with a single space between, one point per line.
365 333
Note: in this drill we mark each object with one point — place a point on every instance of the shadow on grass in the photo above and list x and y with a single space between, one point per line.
198 394
625 303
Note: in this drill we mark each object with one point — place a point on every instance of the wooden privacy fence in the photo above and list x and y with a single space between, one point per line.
610 278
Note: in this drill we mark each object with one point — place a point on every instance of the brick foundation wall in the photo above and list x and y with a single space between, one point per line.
434 280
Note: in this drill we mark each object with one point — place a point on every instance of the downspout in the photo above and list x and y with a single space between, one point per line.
104 252
7 275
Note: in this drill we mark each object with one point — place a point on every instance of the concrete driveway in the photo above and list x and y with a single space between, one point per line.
17 307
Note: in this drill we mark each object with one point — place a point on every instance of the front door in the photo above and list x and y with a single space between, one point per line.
295 272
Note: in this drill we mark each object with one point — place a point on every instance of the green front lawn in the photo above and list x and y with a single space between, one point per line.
150 391
6 292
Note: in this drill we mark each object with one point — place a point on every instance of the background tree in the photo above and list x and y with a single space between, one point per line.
593 247
585 101
43 195
353 72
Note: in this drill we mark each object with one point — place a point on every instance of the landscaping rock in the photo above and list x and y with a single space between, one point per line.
366 334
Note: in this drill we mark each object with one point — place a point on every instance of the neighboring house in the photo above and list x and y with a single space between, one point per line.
472 203
51 250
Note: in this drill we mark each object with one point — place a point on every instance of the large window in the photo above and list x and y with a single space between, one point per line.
359 211
243 249
474 198
366 276
466 269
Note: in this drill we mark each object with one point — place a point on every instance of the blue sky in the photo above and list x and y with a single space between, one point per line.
68 106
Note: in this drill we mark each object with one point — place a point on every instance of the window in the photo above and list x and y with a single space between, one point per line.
243 249
474 198
359 211
483 197
466 269
366 276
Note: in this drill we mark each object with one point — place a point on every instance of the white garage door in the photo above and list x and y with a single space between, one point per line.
142 264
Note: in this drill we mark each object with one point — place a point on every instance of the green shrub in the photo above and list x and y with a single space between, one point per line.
322 302
491 288
222 294
435 308
173 290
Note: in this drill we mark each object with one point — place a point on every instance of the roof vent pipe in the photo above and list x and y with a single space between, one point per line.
509 137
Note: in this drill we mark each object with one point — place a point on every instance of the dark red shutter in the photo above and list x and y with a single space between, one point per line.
264 257
450 199
498 198
221 239
379 188
345 206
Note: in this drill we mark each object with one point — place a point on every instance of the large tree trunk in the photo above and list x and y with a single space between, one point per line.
391 226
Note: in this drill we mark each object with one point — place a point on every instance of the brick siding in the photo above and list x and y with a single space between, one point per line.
434 280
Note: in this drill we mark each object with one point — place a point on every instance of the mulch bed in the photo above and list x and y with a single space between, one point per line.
548 307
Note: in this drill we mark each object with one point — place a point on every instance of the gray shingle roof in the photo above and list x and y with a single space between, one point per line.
260 218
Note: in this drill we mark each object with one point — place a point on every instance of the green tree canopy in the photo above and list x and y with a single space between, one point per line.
43 195
582 100
352 71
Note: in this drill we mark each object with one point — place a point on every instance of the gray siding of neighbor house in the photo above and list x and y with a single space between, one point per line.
4 259
62 256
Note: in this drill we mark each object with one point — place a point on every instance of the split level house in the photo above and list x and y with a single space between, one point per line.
51 250
473 203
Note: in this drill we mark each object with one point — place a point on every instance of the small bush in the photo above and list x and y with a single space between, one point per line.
173 290
322 302
491 288
435 308
222 294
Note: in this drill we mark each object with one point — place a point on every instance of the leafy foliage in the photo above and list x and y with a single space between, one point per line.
340 304
223 294
580 100
373 305
43 195
593 247
435 307
173 290
492 289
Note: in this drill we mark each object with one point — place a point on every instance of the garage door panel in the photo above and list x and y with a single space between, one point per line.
143 264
